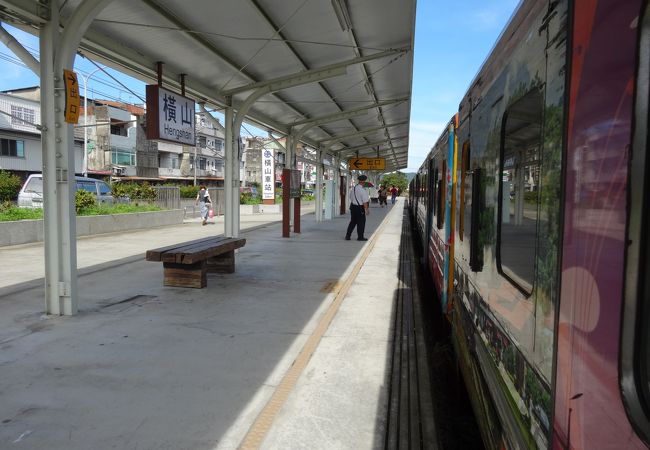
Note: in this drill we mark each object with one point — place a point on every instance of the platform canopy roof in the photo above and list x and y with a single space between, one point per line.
231 48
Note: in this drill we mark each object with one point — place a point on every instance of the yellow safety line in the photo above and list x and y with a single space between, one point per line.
264 420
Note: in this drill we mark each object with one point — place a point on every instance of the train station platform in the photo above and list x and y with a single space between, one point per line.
296 349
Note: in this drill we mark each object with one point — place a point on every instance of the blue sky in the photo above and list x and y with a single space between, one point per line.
450 46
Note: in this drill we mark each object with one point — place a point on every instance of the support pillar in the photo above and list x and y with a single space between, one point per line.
58 52
228 175
318 188
235 181
58 192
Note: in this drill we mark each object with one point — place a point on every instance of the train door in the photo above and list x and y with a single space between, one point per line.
431 189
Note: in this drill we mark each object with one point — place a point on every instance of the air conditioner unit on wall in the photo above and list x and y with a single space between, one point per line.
118 171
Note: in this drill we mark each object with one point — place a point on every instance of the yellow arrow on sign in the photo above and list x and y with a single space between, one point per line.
367 163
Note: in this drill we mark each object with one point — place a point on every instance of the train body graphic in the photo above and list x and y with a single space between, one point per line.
532 214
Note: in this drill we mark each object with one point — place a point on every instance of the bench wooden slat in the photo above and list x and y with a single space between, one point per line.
209 253
177 254
186 264
156 254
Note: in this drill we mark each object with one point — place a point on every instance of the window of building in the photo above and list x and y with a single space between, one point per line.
122 157
202 141
22 116
118 129
11 147
202 162
519 190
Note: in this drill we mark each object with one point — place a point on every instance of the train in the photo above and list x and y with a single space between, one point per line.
532 213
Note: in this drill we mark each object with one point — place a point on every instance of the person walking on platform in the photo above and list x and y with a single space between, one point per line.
359 209
393 193
203 199
382 195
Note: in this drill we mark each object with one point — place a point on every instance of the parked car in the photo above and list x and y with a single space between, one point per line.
31 194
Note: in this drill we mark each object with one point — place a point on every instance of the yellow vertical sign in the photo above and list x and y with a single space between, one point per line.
72 101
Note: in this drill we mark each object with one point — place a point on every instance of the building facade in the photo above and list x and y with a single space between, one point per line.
20 138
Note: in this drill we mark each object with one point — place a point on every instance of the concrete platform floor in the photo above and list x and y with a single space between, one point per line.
291 351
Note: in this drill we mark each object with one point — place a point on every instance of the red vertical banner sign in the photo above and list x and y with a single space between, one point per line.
296 215
342 191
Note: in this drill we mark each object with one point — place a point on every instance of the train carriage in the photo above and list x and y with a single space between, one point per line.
523 210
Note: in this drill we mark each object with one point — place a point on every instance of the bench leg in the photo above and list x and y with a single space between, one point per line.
224 263
185 275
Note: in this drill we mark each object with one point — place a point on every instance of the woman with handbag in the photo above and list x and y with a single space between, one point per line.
203 199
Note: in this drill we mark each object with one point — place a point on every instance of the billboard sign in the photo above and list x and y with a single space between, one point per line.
295 187
170 116
268 174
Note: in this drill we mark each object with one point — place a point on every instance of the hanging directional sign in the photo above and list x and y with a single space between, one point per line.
367 163
72 101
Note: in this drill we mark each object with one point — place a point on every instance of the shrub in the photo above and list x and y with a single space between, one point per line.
189 191
9 212
83 200
134 191
247 198
9 186
530 197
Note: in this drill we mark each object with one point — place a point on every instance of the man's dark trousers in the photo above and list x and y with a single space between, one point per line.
358 219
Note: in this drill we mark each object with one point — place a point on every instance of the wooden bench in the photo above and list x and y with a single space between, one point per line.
187 264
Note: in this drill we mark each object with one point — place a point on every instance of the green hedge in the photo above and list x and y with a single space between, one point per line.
9 212
134 191
189 191
9 186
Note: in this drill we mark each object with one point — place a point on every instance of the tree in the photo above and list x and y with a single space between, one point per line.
397 178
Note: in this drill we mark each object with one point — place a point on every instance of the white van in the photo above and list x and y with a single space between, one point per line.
31 194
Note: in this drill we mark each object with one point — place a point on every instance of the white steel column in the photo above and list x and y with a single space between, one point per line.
235 182
60 241
318 189
58 213
228 176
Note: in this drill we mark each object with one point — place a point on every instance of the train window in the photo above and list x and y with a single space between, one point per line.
441 191
519 190
464 167
635 340
475 254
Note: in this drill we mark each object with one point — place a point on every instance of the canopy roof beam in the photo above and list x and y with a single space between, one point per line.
309 76
350 153
343 115
360 133
21 52
369 145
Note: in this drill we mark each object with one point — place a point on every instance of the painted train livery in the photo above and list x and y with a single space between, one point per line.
532 212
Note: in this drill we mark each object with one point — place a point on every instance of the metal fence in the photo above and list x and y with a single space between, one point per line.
218 203
168 197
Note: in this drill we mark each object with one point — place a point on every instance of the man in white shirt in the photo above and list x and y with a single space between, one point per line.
359 209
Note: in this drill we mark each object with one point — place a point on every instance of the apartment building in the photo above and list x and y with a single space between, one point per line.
116 143
20 139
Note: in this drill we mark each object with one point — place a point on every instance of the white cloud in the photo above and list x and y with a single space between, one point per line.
495 16
422 136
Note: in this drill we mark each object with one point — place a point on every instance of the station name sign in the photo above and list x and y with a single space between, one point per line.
170 116
367 163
